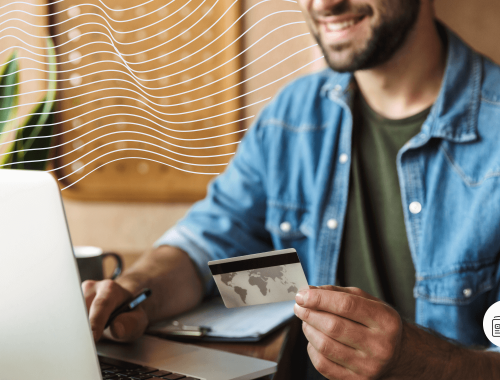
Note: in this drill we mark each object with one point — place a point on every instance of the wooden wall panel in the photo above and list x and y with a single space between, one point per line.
142 90
477 22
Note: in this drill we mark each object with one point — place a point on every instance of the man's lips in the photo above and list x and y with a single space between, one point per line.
336 24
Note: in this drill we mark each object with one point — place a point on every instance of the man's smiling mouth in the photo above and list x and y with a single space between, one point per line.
341 25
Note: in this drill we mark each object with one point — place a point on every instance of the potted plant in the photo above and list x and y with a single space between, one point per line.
27 145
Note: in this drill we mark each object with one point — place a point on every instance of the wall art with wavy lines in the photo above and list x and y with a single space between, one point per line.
149 96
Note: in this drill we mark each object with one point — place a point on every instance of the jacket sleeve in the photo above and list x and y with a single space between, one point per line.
230 221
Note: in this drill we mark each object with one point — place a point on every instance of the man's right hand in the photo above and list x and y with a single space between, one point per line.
102 298
174 282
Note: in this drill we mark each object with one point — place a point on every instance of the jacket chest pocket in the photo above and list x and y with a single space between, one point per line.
288 221
454 304
458 288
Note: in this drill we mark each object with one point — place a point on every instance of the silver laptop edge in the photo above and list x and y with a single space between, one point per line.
44 328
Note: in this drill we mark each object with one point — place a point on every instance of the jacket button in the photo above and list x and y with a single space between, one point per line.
332 224
415 207
285 227
343 158
467 292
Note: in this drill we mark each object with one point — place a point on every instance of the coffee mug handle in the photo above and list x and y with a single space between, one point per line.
119 263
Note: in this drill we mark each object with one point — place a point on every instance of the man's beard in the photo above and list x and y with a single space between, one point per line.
388 36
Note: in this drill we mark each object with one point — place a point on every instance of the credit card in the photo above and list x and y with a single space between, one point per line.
261 278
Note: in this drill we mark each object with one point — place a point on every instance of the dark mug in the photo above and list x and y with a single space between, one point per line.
89 260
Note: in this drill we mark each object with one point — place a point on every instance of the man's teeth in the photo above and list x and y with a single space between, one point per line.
334 26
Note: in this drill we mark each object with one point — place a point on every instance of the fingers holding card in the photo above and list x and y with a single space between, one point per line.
261 278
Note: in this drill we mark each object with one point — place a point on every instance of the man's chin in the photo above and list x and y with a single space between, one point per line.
341 65
349 61
343 57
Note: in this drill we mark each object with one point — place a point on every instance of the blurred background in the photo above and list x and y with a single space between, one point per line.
153 97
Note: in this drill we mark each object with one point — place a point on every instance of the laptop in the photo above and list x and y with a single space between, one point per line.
44 328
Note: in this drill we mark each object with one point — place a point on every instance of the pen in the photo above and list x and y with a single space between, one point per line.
129 305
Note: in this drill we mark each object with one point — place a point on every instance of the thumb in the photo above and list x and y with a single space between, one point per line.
129 326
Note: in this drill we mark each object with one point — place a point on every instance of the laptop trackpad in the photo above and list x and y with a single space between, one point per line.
145 349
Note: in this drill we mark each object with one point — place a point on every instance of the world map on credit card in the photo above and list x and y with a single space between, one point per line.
258 279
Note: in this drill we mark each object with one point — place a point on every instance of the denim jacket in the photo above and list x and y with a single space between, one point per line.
287 187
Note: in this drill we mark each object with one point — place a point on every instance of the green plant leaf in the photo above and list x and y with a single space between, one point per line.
9 90
35 138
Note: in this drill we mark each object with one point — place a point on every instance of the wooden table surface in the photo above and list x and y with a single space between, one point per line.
272 347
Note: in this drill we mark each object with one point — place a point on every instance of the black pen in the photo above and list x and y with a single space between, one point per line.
129 305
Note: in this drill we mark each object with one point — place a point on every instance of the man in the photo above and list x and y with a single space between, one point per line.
395 154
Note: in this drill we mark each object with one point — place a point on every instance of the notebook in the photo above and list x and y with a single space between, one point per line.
248 324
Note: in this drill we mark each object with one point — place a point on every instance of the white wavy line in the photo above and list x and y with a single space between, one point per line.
161 105
130 106
167 114
121 55
119 123
222 114
185 122
114 142
127 149
100 24
219 79
194 53
169 96
34 5
57 46
117 141
82 14
58 1
130 98
191 90
158 68
176 84
192 121
149 88
188 112
195 120
144 150
200 87
127 122
138 124
140 158
140 86
112 39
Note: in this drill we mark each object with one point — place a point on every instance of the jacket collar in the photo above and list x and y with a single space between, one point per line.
454 115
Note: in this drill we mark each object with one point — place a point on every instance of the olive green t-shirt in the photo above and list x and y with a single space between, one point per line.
375 255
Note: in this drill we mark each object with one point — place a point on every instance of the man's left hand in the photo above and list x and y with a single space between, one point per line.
351 334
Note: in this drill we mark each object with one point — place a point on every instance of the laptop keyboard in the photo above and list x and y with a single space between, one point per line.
122 370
